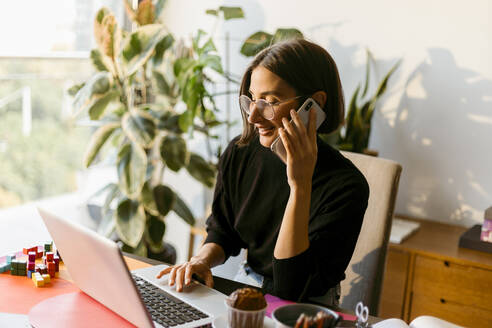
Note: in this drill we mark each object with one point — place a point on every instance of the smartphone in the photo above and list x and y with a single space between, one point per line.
278 147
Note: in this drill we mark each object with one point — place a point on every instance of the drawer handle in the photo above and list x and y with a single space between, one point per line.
446 263
443 300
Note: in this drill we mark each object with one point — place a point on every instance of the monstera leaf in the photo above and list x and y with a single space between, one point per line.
147 199
140 45
164 199
201 170
130 221
99 104
145 12
98 139
255 43
107 33
93 91
154 233
182 210
98 61
160 49
131 166
139 126
228 12
173 152
283 34
161 84
260 40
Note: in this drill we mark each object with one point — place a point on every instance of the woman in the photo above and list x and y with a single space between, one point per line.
299 220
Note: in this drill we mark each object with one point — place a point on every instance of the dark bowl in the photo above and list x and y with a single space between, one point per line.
286 316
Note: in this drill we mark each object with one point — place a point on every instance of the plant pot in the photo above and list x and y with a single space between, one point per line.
167 255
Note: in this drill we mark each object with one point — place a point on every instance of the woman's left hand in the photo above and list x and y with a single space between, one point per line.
301 147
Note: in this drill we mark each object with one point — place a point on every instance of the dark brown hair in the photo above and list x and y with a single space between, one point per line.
307 68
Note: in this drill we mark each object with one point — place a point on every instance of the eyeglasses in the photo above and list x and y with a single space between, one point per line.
266 109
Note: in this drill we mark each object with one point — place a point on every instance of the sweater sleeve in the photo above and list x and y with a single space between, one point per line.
220 229
333 234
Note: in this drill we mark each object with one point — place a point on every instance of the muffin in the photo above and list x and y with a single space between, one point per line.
246 308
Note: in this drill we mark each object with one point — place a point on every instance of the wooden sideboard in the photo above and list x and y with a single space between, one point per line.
428 274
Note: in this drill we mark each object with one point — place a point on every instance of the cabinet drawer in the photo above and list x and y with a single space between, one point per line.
453 282
459 314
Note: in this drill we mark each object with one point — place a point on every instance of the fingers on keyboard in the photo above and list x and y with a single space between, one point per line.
163 272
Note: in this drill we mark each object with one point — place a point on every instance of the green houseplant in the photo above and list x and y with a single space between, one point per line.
148 96
355 137
258 41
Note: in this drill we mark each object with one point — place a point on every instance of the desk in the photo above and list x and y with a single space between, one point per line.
20 319
428 274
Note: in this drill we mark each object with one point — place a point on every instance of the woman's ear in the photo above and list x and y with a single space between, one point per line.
320 98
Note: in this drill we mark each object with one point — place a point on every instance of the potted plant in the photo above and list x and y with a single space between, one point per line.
355 136
147 97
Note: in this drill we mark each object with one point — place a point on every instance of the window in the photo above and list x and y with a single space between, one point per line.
45 50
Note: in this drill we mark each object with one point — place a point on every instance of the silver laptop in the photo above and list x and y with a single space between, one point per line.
97 267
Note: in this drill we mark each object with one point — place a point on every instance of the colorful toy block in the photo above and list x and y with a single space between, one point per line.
18 272
40 274
56 259
10 258
51 269
22 265
31 256
4 267
41 268
30 249
46 278
38 280
48 247
49 256
39 252
18 267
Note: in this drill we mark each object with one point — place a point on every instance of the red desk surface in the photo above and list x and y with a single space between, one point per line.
68 303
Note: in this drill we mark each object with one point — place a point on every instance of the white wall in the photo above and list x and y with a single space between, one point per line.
436 119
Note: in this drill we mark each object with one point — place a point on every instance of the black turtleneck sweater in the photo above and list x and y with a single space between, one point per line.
250 197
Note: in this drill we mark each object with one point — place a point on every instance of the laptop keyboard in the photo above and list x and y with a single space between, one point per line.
164 308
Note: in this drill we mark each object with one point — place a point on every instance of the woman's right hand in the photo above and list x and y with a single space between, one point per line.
181 274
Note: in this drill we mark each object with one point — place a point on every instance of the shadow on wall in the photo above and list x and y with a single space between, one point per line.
351 60
363 284
438 126
441 133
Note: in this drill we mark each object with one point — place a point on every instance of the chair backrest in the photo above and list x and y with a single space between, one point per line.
364 274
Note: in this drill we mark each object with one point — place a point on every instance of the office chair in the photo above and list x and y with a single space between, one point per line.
364 275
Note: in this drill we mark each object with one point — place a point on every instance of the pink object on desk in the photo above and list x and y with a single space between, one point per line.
274 302
487 225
